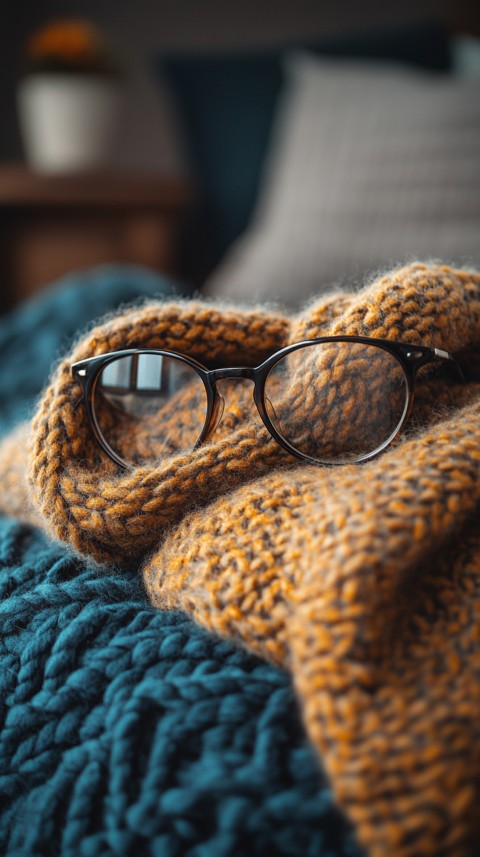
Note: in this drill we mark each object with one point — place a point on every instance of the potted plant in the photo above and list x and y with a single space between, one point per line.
69 97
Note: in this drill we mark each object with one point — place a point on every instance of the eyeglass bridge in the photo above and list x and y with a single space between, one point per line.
243 372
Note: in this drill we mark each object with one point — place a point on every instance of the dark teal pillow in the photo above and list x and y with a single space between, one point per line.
226 104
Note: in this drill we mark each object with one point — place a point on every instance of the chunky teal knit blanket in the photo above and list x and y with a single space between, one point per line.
126 731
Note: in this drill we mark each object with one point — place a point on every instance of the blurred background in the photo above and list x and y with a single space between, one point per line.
252 149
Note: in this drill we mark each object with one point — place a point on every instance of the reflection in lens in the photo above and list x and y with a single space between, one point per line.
148 406
337 401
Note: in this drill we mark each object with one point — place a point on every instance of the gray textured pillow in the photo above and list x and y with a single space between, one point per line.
371 165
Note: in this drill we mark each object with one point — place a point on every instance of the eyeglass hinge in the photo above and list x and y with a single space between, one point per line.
78 373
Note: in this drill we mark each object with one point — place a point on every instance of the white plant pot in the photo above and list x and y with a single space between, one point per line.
67 122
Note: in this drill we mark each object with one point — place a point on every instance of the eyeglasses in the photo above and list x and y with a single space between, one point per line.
332 400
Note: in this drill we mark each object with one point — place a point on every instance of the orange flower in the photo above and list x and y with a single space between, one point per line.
73 41
75 46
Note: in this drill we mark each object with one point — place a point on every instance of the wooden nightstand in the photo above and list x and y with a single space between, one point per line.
52 225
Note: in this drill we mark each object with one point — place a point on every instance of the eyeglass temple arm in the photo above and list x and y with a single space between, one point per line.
445 355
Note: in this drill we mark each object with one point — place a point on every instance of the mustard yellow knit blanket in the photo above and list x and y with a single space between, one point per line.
363 580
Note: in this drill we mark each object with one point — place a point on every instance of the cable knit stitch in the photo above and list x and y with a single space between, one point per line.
363 581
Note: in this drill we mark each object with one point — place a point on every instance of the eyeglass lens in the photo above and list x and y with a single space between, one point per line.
148 406
337 401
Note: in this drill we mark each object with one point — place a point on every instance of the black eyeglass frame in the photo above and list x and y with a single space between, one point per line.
410 357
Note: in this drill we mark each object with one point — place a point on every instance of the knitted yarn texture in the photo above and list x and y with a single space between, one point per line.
363 581
129 732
